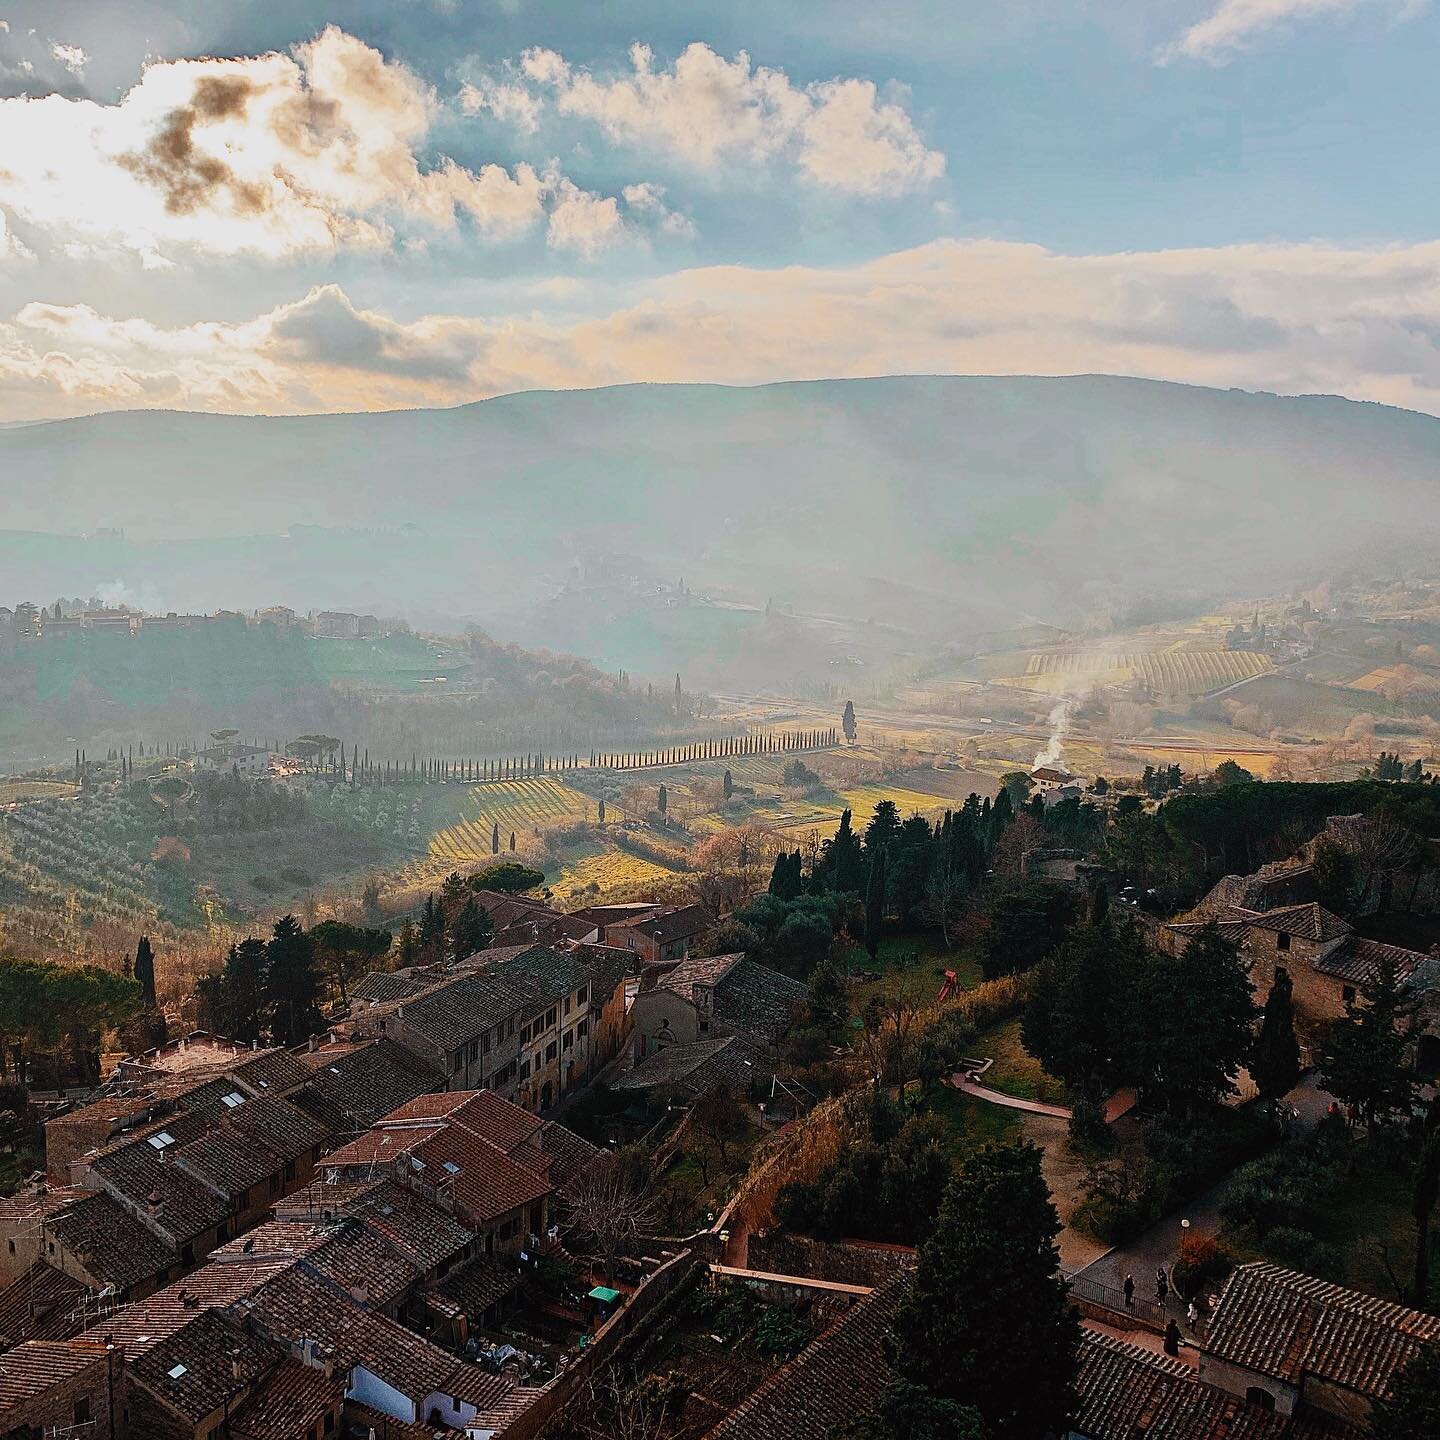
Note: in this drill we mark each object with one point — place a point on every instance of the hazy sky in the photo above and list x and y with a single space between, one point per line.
256 205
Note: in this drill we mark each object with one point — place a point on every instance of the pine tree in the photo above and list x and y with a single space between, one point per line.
292 983
1275 1056
988 1321
145 972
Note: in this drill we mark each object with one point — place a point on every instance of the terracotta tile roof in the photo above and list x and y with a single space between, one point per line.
1288 1325
323 1199
470 1290
114 1247
756 1000
348 1252
290 1403
270 1072
299 1306
380 987
839 1375
280 1125
1306 922
32 1368
354 1087
670 925
696 1069
487 1183
461 1009
418 1229
198 1367
42 1304
1357 961
706 970
1127 1391
569 1153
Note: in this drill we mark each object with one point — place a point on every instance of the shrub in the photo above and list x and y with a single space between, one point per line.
1283 1190
1299 1249
781 1333
1202 1266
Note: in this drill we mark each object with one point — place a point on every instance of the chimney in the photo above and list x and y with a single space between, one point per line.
255 1044
360 1293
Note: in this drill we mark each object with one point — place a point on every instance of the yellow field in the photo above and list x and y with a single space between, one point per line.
1169 672
1404 678
519 805
861 801
20 789
603 873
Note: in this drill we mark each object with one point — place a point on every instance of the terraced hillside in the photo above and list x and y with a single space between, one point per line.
519 805
1167 672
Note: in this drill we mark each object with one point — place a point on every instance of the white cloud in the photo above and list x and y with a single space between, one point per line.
706 110
72 57
1234 25
1293 318
647 199
511 104
11 246
583 222
275 155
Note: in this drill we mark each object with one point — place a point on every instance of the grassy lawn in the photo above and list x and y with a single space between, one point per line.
918 960
971 1125
1015 1071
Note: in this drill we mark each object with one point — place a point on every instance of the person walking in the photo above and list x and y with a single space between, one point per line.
1162 1286
1172 1338
1129 1292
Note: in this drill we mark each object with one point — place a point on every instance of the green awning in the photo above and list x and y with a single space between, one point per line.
604 1294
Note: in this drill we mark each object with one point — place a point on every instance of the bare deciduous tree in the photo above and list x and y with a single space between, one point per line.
613 1204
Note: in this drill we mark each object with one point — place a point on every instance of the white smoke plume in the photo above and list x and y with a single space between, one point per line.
1054 751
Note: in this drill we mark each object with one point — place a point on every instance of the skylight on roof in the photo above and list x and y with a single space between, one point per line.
160 1141
176 1371
234 1099
452 1167
333 1069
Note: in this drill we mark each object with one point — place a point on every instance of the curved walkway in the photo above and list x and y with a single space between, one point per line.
1009 1102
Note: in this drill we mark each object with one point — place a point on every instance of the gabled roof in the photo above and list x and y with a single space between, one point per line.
195 1370
34 1367
290 1402
461 1009
1127 1391
756 1000
114 1247
1288 1325
353 1086
1357 961
1311 922
42 1304
382 987
682 978
670 925
840 1375
698 1068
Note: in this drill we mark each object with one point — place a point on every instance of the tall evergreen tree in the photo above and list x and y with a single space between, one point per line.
988 1321
145 972
875 903
471 929
1193 1017
1362 1054
884 826
847 722
236 997
1275 1055
292 983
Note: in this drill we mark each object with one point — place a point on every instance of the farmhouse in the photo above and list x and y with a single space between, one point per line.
661 934
230 756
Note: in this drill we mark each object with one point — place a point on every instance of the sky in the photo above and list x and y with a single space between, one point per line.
283 208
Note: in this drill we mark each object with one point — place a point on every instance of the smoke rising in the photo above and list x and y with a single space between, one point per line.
1059 720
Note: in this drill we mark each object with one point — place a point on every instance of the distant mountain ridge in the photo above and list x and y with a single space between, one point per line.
922 501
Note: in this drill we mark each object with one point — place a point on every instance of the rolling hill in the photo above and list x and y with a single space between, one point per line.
902 509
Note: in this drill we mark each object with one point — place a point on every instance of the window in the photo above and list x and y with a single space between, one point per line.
524 1069
1348 994
1282 941
583 1029
582 994
475 1048
551 1016
550 1051
187 1253
82 1411
567 1004
1257 1395
568 1040
11 1244
459 1062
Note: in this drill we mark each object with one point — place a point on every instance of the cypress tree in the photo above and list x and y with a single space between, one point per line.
145 972
875 903
1274 1060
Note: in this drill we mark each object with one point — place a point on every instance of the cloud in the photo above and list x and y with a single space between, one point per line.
72 57
1296 318
276 155
706 110
511 104
1235 25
